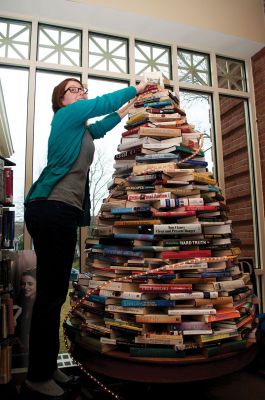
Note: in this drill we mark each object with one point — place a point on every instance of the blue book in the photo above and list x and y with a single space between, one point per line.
124 253
157 157
158 103
97 299
147 303
130 210
159 277
213 274
134 236
195 163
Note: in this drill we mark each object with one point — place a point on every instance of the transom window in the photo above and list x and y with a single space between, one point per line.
194 67
231 74
152 57
15 39
59 45
108 53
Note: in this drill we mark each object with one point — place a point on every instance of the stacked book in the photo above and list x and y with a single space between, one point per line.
163 279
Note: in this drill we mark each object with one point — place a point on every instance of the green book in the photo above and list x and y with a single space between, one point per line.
227 347
156 352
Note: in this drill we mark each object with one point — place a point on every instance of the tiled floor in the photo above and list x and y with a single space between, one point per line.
247 384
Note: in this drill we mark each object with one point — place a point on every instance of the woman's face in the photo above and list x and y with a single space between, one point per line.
73 91
28 285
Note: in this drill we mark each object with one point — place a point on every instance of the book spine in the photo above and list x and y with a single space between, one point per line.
147 303
157 319
193 295
192 311
136 222
149 196
176 214
134 236
224 348
165 288
156 352
185 254
130 210
177 229
8 179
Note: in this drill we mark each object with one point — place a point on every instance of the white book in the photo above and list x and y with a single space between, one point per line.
126 295
184 267
149 196
136 143
158 146
229 285
177 229
220 229
187 296
197 332
192 311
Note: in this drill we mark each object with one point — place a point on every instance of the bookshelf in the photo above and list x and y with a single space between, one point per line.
6 255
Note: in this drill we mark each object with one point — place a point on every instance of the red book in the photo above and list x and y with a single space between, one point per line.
8 179
185 254
185 130
131 131
165 214
165 288
201 208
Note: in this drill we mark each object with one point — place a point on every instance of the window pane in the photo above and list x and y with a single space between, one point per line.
238 160
14 39
150 57
106 147
16 107
194 67
59 45
198 107
108 53
231 74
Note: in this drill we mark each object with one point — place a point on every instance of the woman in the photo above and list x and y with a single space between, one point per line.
25 301
55 205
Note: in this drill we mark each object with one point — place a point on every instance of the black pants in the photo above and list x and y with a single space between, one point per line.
53 228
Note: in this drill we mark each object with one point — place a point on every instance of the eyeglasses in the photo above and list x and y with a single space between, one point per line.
76 90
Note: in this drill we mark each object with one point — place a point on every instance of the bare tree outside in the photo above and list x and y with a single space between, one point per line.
100 175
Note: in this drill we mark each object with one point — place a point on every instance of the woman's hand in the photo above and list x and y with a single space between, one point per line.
142 86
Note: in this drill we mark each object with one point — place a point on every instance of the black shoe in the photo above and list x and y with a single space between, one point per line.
27 394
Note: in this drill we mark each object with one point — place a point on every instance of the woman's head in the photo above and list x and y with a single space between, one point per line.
67 92
28 283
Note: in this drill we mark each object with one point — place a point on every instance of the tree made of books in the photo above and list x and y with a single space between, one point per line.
163 278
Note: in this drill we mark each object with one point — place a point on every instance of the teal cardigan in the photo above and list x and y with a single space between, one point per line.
67 130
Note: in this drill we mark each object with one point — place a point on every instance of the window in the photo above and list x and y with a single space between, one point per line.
59 45
194 67
106 147
15 39
16 107
198 107
231 74
108 53
152 57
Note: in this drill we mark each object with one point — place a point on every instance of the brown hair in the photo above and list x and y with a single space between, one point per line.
58 93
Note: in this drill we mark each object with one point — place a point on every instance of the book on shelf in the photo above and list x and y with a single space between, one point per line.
8 186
